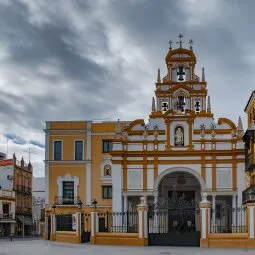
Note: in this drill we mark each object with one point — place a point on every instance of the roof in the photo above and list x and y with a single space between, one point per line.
252 94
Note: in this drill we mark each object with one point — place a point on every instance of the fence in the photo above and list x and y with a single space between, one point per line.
64 222
118 222
228 220
86 227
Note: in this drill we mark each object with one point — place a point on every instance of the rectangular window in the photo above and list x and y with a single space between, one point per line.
6 208
57 150
78 150
107 145
68 192
107 192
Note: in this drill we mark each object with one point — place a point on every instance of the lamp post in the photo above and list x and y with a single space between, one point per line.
79 205
94 202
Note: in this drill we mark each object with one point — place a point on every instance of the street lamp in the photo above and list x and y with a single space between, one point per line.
94 202
79 204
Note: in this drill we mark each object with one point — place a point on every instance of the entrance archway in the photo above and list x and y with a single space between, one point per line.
174 219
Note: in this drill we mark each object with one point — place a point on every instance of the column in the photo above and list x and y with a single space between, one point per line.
251 224
94 227
214 212
125 203
143 222
88 165
234 213
205 208
79 229
168 142
53 227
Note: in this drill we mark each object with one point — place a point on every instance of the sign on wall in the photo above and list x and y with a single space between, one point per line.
74 222
6 162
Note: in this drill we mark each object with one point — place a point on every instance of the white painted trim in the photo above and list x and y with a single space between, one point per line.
67 177
140 215
251 216
62 150
79 140
179 169
47 153
88 166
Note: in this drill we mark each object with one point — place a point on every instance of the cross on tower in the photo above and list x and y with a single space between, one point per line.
180 42
164 106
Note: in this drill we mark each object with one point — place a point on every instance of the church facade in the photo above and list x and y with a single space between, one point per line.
181 151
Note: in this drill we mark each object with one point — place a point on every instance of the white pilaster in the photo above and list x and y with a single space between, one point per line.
117 188
214 210
88 165
251 221
47 141
125 203
234 210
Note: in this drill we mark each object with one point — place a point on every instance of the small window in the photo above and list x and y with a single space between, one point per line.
107 170
107 145
107 192
57 150
6 209
78 150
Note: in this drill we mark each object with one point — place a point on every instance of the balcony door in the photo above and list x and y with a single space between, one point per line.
68 192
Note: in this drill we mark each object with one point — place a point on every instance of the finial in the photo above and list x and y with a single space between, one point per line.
158 78
203 74
170 44
208 104
118 130
191 43
153 105
180 42
240 132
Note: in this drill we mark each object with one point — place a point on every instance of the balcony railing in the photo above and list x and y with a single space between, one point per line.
23 189
7 216
246 194
7 193
23 210
67 200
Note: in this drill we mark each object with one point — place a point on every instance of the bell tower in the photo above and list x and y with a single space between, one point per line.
181 89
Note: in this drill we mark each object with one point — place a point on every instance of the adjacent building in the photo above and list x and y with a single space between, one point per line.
249 139
38 204
15 197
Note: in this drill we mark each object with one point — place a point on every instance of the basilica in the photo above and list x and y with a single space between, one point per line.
182 148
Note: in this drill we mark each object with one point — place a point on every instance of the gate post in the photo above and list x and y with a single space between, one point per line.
78 226
251 224
45 235
53 227
94 227
205 208
143 222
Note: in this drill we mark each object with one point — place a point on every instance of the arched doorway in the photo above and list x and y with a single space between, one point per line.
174 218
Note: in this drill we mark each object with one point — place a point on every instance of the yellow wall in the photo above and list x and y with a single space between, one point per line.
61 170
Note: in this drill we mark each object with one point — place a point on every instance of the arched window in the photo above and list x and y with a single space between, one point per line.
107 170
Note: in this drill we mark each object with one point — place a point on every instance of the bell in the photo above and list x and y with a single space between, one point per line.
180 78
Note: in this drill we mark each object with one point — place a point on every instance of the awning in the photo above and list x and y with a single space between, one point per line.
27 220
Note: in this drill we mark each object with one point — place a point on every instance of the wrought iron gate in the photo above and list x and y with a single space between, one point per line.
174 222
49 227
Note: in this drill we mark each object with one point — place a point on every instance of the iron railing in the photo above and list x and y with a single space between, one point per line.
23 210
64 222
23 189
67 200
7 216
246 194
228 220
120 222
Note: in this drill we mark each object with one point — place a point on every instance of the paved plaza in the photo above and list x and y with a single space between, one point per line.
40 247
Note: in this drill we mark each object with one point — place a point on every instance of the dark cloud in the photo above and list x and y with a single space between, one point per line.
73 60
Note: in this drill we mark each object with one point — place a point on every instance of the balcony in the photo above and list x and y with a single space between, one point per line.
7 216
66 200
7 193
250 162
23 189
247 194
23 210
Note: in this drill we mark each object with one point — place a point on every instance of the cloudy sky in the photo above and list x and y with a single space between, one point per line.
98 59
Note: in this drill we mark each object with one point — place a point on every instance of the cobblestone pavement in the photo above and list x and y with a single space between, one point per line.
40 247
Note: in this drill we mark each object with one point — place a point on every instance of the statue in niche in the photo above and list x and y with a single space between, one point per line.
180 103
179 136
